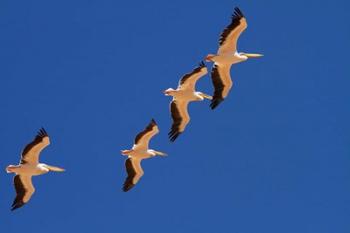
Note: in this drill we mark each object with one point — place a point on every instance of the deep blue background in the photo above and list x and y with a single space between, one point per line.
274 157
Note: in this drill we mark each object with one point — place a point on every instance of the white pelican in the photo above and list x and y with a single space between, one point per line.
29 166
226 56
184 94
139 152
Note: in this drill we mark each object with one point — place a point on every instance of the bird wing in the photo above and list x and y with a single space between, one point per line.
189 80
31 152
229 37
220 76
142 139
179 113
135 172
24 190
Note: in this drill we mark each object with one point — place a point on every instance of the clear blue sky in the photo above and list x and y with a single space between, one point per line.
273 158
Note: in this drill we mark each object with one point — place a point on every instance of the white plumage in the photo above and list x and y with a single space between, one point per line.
182 96
29 166
139 152
226 56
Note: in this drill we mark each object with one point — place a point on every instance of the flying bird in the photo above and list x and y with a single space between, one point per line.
139 152
29 166
182 96
226 56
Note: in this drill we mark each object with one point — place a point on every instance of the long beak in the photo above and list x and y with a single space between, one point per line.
54 169
253 55
160 153
209 97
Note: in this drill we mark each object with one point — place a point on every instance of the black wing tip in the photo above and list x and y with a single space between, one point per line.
17 205
42 132
238 13
153 122
127 187
202 64
235 21
173 135
215 102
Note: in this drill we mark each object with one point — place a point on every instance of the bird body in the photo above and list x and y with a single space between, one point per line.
182 96
185 95
29 166
28 169
139 152
226 56
227 59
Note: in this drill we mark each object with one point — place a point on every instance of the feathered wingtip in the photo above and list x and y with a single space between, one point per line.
202 64
127 187
153 122
42 132
237 13
17 205
173 135
215 102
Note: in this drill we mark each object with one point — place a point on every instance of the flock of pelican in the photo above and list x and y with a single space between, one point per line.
226 56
